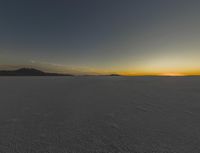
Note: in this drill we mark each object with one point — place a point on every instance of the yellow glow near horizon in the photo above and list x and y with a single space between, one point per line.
173 74
168 64
161 73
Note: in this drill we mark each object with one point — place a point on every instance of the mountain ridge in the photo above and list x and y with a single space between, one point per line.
29 72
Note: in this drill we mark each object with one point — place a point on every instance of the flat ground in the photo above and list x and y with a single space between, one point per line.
99 114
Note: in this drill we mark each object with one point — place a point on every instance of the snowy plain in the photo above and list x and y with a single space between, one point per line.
99 114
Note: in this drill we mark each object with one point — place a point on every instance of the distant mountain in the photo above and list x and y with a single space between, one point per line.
114 75
29 72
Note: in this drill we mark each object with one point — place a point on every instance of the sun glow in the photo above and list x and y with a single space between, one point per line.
173 74
157 74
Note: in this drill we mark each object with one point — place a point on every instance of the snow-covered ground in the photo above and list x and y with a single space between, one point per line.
99 114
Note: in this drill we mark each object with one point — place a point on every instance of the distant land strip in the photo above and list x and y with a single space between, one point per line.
29 72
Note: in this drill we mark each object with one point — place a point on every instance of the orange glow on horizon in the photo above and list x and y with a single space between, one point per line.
193 73
173 74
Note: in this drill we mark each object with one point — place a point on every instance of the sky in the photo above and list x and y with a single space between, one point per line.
129 37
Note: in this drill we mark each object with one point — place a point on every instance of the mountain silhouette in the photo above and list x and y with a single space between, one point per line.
115 75
29 72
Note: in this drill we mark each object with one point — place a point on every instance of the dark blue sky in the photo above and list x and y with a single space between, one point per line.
101 36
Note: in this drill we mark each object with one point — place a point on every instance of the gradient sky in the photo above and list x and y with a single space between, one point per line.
133 37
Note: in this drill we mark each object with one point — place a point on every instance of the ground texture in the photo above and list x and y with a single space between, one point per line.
99 115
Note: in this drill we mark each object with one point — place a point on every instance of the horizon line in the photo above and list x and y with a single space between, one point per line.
128 74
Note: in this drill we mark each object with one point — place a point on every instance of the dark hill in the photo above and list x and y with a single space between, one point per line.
29 72
115 75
